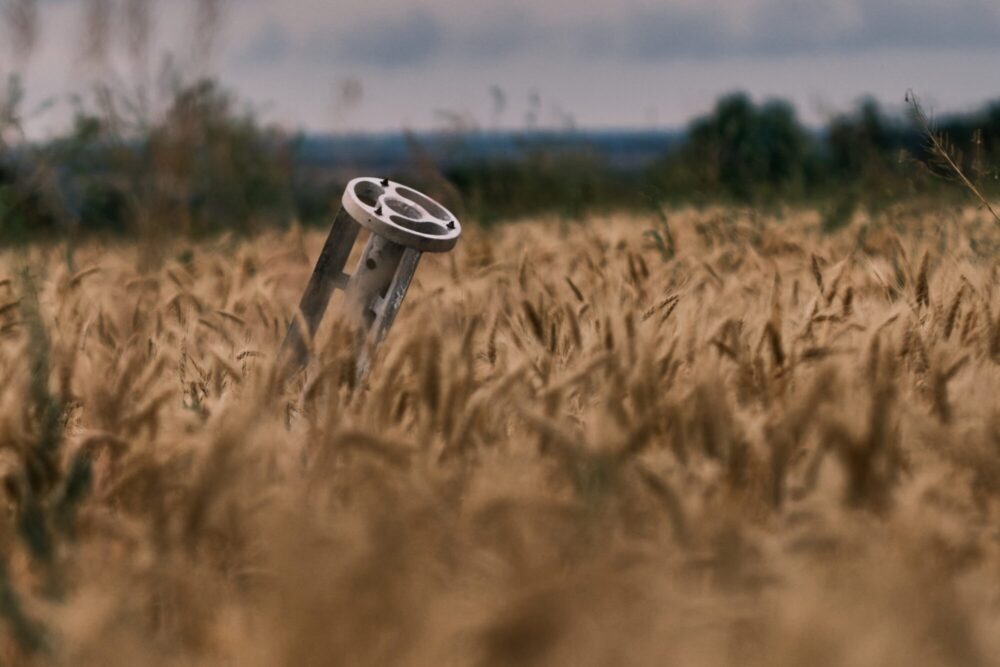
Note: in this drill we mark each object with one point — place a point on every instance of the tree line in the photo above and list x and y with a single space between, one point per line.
206 165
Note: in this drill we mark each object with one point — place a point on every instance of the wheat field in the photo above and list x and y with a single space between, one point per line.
714 438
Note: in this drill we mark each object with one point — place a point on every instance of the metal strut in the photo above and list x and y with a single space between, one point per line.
403 223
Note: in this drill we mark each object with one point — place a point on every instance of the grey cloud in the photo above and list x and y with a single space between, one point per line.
416 37
954 24
501 33
675 32
409 38
790 27
269 45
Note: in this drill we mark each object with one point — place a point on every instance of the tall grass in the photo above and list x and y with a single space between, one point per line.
765 446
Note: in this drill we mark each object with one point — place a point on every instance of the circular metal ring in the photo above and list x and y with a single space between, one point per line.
401 214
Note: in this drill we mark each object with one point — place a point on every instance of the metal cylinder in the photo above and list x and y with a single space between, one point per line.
404 224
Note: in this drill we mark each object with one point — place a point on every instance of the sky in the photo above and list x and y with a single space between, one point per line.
387 65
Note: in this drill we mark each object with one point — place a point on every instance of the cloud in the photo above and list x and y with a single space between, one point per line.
790 27
795 27
418 36
409 38
415 37
922 24
671 32
271 44
500 33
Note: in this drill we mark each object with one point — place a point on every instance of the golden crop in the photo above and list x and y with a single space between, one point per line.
729 441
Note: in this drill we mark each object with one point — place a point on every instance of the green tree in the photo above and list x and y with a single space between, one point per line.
748 151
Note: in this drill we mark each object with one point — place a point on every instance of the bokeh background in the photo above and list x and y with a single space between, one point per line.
385 65
201 115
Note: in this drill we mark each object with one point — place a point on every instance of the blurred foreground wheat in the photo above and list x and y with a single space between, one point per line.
722 440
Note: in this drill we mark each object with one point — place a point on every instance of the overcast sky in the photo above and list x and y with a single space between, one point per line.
373 65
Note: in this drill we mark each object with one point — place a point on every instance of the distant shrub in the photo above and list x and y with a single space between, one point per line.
205 163
224 168
569 184
745 151
204 166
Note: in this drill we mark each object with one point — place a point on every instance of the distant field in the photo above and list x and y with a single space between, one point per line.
723 439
